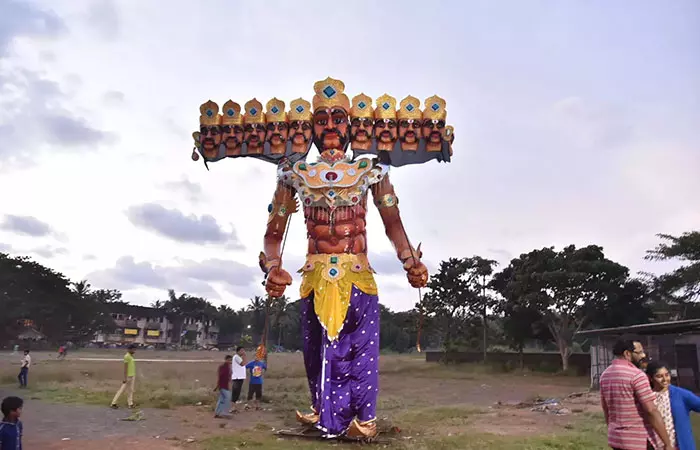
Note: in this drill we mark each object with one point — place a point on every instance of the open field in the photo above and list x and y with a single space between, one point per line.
427 405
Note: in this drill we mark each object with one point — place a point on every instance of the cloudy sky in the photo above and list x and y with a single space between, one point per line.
575 122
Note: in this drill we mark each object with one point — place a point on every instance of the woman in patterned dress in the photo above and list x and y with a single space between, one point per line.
674 404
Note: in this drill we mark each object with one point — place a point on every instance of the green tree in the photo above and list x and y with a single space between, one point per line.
456 297
180 308
91 314
562 286
681 285
58 308
628 305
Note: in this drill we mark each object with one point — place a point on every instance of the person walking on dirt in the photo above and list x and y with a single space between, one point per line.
61 352
11 427
129 379
23 376
223 383
237 376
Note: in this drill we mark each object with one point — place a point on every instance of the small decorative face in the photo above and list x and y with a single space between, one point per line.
410 132
331 129
432 131
277 133
300 131
386 133
233 139
361 133
210 140
254 136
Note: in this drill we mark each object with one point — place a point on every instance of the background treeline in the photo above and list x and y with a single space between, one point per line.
540 300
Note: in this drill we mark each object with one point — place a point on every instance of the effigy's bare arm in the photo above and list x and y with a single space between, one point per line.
282 206
388 204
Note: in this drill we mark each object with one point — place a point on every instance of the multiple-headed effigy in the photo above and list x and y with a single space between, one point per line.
339 303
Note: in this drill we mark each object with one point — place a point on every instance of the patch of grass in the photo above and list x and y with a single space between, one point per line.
586 436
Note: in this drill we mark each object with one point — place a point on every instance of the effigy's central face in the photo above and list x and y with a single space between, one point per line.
331 129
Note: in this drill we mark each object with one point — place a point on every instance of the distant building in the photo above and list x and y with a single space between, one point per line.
676 343
151 326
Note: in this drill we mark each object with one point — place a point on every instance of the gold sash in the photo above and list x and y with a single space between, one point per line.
330 278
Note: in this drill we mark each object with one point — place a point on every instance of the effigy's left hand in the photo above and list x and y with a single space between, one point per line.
417 273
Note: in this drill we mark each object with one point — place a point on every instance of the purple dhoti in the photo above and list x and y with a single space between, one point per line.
343 374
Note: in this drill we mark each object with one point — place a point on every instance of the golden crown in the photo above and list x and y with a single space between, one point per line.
434 108
386 107
254 112
361 107
231 113
299 109
409 109
209 114
275 111
329 94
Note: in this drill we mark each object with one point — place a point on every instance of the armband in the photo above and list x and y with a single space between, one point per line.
386 201
281 209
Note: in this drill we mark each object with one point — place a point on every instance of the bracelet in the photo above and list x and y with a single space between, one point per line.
266 265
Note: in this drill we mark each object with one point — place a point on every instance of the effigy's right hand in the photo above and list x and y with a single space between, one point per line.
277 281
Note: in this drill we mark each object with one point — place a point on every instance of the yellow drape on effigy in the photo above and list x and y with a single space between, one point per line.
331 278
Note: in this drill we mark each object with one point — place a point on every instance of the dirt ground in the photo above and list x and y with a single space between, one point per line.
407 385
68 426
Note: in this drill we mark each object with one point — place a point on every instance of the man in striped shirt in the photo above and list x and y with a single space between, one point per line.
628 402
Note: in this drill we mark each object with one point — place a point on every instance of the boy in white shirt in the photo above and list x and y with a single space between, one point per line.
238 371
24 370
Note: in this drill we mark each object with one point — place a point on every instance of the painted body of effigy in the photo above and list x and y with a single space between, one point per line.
339 303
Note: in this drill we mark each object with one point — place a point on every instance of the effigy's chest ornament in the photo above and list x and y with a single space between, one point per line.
398 136
331 185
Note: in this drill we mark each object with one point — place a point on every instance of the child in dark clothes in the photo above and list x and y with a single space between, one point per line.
11 426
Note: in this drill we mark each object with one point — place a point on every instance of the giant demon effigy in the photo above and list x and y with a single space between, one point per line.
339 303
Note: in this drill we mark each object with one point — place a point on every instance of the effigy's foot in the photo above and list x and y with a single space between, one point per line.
362 430
310 419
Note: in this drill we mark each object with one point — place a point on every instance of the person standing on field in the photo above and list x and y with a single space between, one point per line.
129 379
629 404
237 376
23 376
223 383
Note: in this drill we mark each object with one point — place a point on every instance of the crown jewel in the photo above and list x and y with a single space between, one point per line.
361 107
275 111
434 108
409 108
232 114
386 107
253 112
329 94
300 109
209 114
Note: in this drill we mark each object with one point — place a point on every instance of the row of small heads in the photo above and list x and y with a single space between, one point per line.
300 110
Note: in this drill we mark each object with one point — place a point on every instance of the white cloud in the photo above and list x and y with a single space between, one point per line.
561 137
